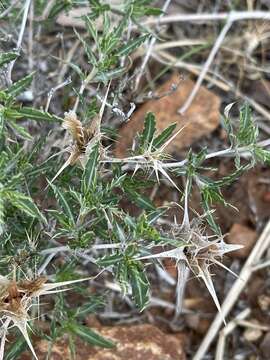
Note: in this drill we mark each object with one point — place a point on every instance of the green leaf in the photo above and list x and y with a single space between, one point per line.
210 218
90 171
95 303
88 51
62 201
164 136
16 88
33 114
132 45
212 195
141 200
25 204
122 276
91 29
109 260
248 132
15 350
139 285
20 130
6 58
149 130
90 336
104 76
262 155
57 7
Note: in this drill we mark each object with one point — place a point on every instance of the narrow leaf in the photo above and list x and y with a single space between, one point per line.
132 45
16 88
110 260
149 129
62 201
25 204
90 171
164 136
33 114
139 285
6 58
91 336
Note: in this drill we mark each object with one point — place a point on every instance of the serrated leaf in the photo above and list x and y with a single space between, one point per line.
90 336
25 204
33 114
149 130
164 136
90 171
6 58
140 285
132 45
22 84
63 203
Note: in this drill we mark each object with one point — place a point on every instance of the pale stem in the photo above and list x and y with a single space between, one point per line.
150 47
20 38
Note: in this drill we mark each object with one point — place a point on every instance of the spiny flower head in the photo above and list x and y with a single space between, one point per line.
16 299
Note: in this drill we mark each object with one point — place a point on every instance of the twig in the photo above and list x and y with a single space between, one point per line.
20 38
261 245
230 17
150 47
206 66
202 17
67 61
53 90
90 77
223 85
229 328
242 151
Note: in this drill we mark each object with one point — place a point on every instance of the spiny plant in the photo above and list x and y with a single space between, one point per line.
86 221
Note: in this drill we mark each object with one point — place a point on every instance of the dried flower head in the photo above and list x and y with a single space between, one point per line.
17 298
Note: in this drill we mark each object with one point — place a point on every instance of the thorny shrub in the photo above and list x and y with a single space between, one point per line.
85 217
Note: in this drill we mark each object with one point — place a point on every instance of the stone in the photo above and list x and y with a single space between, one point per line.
241 235
201 118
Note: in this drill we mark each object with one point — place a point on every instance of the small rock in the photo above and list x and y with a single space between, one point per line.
252 334
201 118
241 235
197 323
264 302
133 343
